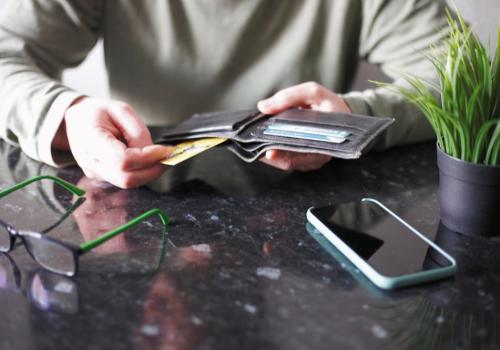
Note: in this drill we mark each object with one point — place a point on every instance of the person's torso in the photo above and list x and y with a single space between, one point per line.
170 59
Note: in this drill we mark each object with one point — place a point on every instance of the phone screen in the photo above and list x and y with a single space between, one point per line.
380 239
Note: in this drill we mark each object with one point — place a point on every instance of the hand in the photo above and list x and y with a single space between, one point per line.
104 209
111 143
306 95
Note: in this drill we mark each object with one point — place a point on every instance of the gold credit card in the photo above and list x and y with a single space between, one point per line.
188 149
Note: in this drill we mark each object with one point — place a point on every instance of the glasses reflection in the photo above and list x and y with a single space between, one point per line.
46 290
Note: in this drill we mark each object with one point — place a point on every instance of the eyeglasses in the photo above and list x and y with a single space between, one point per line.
55 255
46 290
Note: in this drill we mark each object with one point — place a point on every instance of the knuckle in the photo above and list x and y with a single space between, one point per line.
124 108
282 96
127 181
143 133
119 103
288 164
314 88
122 162
100 111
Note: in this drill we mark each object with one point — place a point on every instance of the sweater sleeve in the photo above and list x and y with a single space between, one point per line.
395 35
38 39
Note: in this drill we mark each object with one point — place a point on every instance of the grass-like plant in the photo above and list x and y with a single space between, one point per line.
465 115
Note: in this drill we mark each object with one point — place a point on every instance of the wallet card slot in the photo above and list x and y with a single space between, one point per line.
353 131
251 146
304 135
328 120
325 125
252 156
257 133
213 124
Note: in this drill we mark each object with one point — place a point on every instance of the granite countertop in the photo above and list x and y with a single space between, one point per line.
239 269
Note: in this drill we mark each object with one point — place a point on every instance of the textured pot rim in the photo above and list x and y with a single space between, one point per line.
473 173
466 163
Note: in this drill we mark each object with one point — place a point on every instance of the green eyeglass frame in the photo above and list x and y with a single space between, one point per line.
44 249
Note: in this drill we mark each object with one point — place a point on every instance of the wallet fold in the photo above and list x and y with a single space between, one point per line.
252 133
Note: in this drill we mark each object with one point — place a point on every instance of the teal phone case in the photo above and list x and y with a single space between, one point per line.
380 280
346 264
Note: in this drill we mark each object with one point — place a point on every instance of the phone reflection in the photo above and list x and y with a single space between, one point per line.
46 290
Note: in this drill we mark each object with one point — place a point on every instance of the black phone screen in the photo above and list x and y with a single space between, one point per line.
379 238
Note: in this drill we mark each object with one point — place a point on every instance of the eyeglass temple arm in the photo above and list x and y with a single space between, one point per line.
70 187
88 246
68 212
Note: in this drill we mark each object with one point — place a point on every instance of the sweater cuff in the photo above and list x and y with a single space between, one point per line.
356 102
49 128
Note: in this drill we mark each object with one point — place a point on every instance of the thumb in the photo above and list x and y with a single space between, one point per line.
302 95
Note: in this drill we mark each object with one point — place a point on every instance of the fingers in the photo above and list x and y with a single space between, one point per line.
140 158
125 167
109 172
134 178
309 95
133 129
300 95
105 148
289 161
306 95
110 143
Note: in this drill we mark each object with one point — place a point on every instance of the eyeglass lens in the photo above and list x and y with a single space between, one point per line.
51 255
8 278
4 239
54 292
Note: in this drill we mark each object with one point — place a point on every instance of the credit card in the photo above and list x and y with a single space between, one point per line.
304 135
188 149
309 129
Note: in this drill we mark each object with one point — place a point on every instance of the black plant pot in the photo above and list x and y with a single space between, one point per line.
469 196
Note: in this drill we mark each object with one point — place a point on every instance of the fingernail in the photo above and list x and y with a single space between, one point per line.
269 155
166 150
264 104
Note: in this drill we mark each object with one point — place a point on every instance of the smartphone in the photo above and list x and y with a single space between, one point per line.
386 249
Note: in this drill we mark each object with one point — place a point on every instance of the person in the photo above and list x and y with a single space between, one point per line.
169 59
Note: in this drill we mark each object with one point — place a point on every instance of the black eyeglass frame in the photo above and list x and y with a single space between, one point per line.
75 250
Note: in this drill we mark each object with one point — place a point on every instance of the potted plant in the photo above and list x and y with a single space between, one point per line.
464 111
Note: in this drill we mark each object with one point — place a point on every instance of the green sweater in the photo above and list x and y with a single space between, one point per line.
169 59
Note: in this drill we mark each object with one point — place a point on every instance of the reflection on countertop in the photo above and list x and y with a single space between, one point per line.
239 268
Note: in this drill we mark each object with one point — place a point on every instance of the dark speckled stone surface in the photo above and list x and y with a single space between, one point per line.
239 269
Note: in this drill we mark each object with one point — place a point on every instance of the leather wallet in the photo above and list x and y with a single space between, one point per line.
252 133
